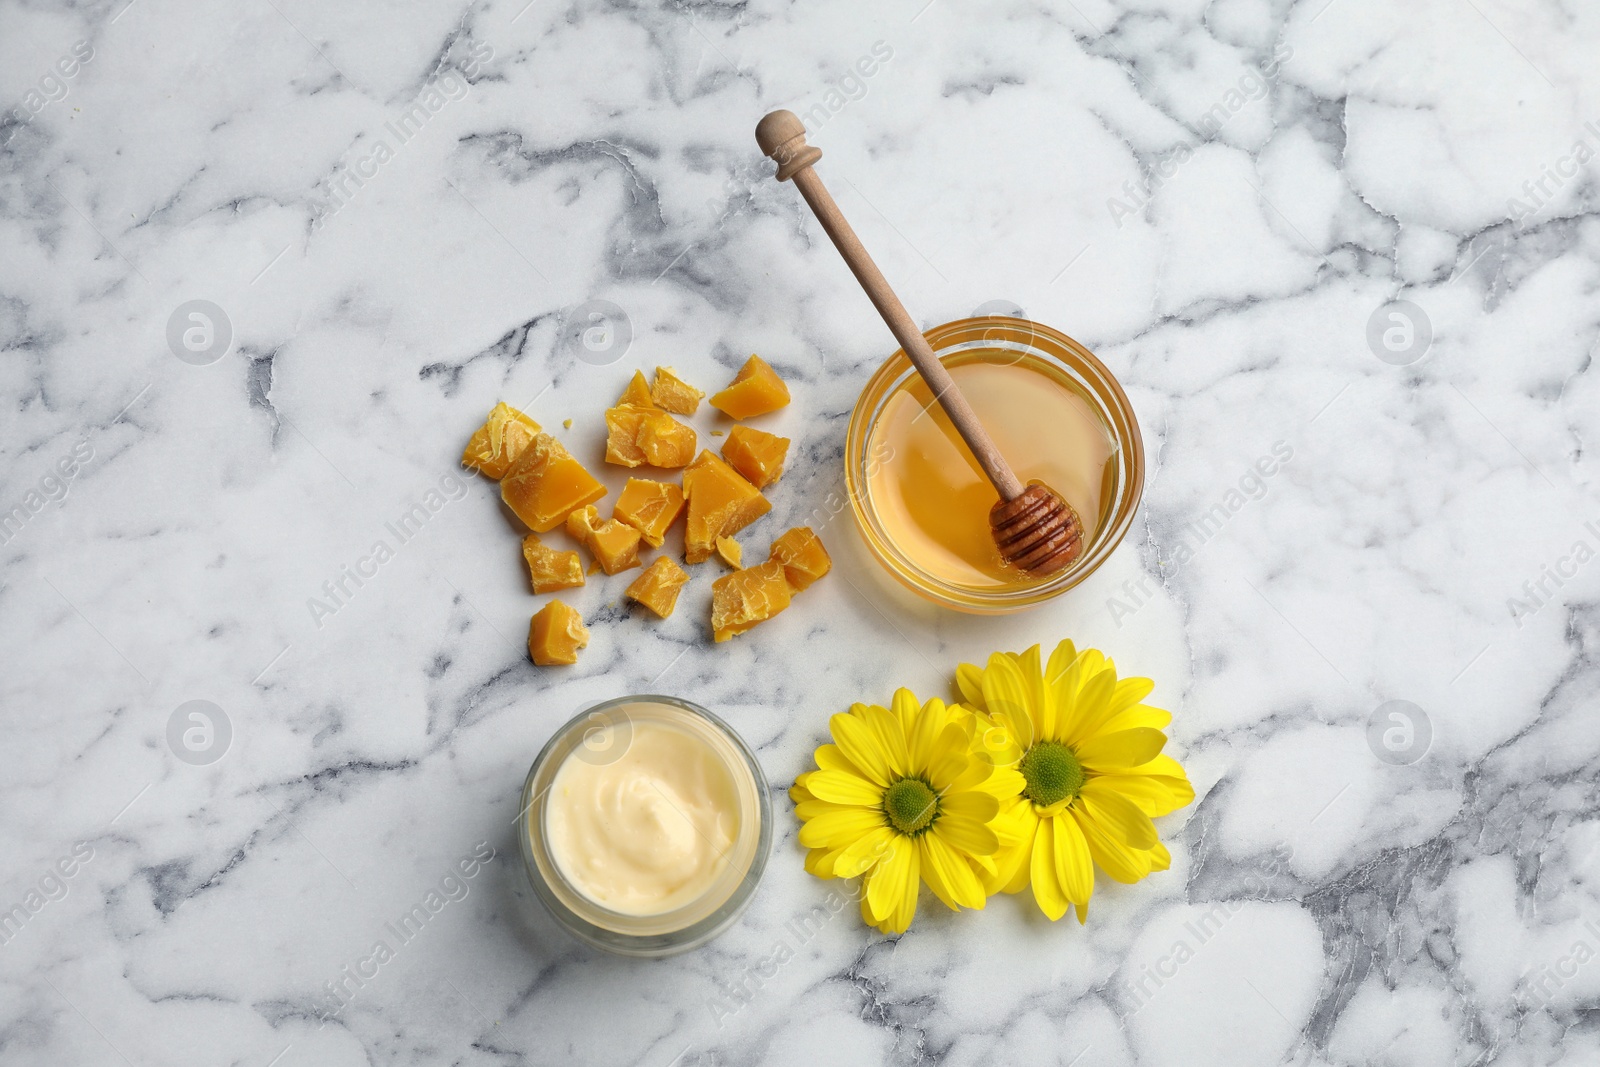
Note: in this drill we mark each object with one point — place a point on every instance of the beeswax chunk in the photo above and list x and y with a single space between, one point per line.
729 552
803 558
545 483
658 587
721 503
756 454
649 507
615 545
744 598
672 393
665 441
637 394
499 441
755 390
636 435
551 568
622 434
555 634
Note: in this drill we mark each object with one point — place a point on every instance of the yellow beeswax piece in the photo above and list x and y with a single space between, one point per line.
756 454
555 634
551 568
672 393
649 507
499 441
721 503
803 558
744 598
637 434
622 434
658 587
729 552
614 545
637 394
665 441
755 390
545 483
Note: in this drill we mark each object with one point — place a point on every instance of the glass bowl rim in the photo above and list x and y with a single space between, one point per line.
1113 408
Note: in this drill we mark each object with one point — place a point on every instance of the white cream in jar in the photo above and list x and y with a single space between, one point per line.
649 831
646 825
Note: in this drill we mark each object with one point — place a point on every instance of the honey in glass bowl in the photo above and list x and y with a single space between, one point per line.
1055 412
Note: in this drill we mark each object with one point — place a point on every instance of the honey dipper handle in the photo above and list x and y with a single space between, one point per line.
782 136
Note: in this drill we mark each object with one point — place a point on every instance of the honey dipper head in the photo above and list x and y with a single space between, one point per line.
1038 532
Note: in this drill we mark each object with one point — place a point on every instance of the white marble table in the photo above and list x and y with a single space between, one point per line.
393 211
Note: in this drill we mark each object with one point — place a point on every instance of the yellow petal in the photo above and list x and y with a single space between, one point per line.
1039 701
1138 715
1129 692
908 900
1126 748
1015 822
819 862
1003 689
948 873
1042 870
1093 705
932 876
950 758
1016 828
980 807
973 778
1120 862
844 787
928 723
830 758
1065 679
969 683
994 741
890 881
1116 814
967 835
1021 868
905 708
1003 783
864 853
1160 858
1074 871
835 829
1061 658
810 809
1008 866
859 743
1161 766
1155 794
891 739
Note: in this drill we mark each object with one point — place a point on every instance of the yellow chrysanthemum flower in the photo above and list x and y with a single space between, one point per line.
1092 774
902 797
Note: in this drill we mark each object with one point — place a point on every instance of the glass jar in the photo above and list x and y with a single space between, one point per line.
603 734
1011 342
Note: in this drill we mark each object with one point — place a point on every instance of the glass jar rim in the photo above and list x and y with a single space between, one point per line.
665 933
1026 337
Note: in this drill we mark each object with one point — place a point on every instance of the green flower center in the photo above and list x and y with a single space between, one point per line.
911 806
1052 773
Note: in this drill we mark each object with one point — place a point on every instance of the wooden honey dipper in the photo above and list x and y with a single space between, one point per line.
1035 530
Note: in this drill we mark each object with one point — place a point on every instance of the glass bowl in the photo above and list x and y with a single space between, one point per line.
1004 339
601 734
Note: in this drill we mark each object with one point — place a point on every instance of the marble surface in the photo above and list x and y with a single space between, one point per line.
396 214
